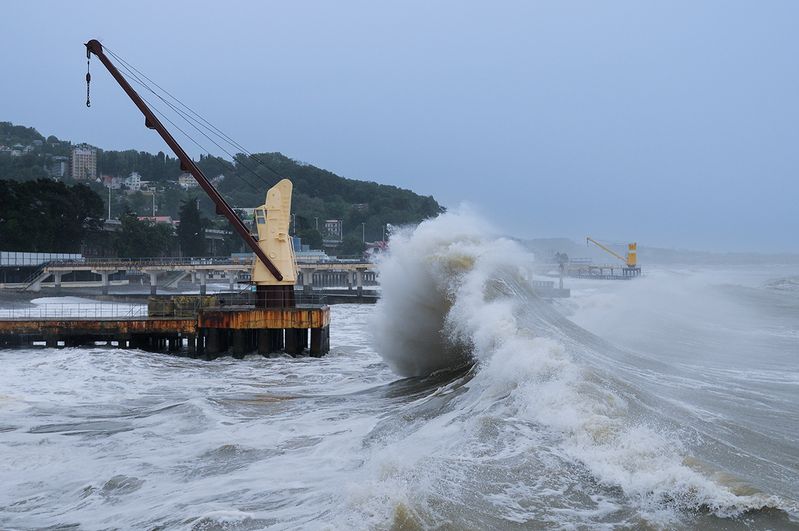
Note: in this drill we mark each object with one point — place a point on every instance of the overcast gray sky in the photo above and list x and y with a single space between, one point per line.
675 124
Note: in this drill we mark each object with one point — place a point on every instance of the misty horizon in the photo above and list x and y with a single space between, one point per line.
672 126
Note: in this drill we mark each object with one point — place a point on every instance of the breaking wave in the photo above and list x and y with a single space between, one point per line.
543 422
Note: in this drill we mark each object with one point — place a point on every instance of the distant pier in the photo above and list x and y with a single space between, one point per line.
168 272
602 272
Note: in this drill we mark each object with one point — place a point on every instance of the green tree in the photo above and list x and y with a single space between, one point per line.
47 216
170 199
352 246
318 193
142 239
310 236
141 204
191 231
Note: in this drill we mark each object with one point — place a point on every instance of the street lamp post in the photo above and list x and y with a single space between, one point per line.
363 232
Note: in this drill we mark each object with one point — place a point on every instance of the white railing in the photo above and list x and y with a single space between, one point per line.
78 310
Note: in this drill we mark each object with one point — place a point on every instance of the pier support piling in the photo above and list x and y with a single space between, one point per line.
320 341
263 342
307 281
104 277
239 347
275 340
212 342
203 280
175 343
153 282
359 280
295 342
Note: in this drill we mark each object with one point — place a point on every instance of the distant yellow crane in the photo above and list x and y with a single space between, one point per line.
632 252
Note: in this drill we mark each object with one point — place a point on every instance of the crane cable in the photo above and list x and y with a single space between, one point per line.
200 120
138 80
204 149
208 124
132 72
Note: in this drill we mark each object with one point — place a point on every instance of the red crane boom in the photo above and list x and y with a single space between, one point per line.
186 163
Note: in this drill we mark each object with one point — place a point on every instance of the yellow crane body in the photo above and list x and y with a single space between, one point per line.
632 252
272 220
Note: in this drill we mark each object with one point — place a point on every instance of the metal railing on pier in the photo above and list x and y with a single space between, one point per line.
134 263
160 261
75 310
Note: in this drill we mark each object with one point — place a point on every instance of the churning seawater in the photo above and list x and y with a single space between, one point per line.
461 401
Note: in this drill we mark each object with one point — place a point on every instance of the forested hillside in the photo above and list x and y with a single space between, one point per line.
318 194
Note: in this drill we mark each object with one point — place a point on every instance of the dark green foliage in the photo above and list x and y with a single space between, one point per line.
310 236
232 242
28 167
139 239
11 134
324 195
191 231
215 166
318 194
140 204
170 199
352 246
47 216
151 167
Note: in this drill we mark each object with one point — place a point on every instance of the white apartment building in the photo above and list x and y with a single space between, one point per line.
83 165
187 180
133 181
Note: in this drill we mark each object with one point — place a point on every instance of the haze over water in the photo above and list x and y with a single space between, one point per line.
671 124
460 401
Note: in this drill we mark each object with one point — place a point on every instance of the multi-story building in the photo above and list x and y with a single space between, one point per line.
84 163
187 180
133 181
114 183
334 231
58 168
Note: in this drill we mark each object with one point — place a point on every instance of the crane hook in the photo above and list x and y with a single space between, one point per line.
88 77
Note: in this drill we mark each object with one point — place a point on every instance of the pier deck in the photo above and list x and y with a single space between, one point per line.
206 332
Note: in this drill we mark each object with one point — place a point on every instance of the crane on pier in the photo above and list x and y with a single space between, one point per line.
632 252
275 268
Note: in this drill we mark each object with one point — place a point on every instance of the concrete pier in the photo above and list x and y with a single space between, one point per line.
153 282
161 272
203 278
207 332
603 271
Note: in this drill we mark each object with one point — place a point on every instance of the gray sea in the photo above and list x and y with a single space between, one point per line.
461 401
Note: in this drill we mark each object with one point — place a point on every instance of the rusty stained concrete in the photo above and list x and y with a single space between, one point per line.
265 318
66 327
232 319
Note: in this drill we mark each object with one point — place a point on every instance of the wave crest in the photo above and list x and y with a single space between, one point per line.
453 293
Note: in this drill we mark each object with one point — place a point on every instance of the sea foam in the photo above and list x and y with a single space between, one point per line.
454 293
